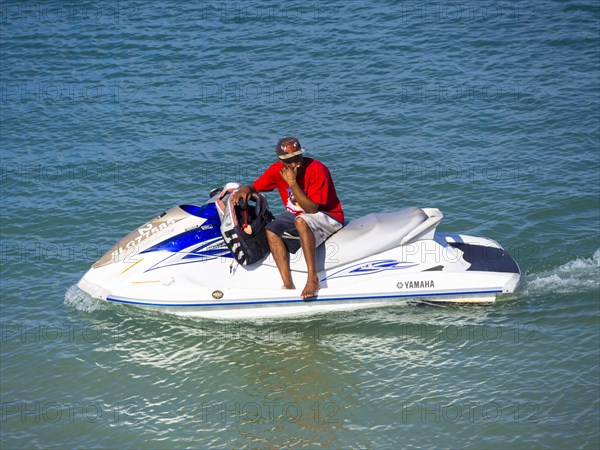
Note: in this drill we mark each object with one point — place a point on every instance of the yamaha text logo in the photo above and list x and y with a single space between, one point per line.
420 284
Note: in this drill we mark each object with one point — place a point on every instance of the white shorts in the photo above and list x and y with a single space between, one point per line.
321 224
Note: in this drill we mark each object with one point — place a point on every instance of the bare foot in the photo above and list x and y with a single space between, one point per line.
311 289
290 286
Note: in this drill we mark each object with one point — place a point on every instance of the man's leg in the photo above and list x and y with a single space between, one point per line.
307 241
281 257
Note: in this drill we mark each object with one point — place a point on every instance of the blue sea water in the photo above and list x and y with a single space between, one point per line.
112 112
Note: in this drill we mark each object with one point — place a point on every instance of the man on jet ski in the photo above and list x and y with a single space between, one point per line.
313 210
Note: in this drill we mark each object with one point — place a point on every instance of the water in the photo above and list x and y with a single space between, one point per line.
114 112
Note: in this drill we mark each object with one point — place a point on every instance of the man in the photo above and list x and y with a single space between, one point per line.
313 210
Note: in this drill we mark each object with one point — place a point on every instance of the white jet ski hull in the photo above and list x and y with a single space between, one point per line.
178 263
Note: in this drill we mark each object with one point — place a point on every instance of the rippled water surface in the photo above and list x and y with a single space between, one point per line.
114 112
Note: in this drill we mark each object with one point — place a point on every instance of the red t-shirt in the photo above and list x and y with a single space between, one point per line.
315 180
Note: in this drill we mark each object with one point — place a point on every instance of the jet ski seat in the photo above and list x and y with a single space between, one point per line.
371 234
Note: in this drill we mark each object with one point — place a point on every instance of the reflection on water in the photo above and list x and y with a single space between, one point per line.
325 379
293 382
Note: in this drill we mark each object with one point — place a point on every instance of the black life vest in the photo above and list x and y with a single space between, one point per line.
243 229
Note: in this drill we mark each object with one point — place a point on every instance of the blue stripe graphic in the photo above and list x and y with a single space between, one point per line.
281 301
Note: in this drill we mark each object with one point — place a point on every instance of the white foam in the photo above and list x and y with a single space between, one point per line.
80 300
581 274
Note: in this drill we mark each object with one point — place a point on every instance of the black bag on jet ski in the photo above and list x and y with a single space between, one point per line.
243 227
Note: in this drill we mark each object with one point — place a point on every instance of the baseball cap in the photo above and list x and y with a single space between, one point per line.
288 147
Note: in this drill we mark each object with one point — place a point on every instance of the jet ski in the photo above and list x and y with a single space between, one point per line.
178 263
